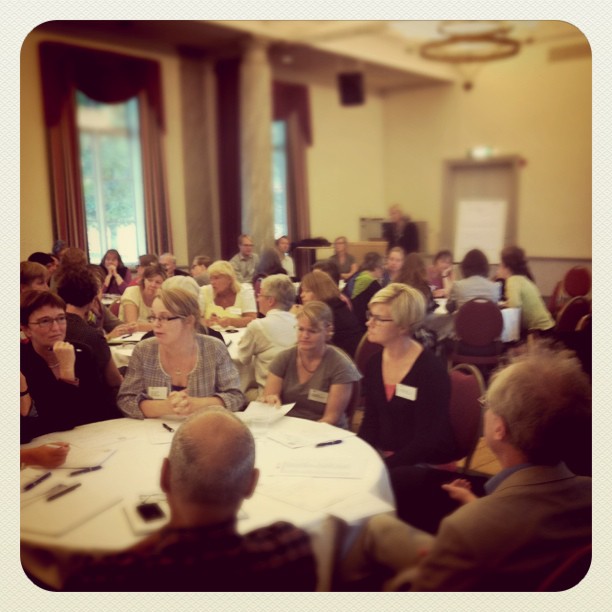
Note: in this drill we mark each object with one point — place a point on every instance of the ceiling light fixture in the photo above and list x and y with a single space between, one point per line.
471 41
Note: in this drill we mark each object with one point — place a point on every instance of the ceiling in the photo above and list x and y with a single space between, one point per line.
386 52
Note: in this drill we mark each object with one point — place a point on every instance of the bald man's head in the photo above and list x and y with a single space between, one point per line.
212 459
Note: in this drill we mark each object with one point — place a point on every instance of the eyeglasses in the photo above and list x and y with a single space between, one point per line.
247 244
163 319
47 322
376 319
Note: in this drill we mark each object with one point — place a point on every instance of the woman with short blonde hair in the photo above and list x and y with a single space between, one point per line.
318 377
407 388
225 302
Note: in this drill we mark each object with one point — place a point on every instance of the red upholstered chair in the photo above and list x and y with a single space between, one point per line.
467 386
365 349
478 327
577 281
570 315
570 572
114 307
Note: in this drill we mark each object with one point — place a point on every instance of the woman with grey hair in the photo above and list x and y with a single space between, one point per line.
265 338
407 388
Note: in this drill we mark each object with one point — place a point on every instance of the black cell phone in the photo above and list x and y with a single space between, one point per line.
150 512
231 331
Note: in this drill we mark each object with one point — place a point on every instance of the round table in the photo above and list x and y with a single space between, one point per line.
313 501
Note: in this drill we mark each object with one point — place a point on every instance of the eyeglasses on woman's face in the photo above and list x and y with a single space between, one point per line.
163 319
47 322
376 319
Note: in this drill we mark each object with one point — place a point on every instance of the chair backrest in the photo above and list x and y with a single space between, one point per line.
467 386
571 313
114 307
365 349
577 281
353 403
570 572
479 322
585 323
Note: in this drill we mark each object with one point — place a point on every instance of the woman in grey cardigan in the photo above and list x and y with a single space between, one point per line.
178 371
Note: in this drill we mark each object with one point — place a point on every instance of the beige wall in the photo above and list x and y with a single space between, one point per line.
36 219
526 106
392 149
345 163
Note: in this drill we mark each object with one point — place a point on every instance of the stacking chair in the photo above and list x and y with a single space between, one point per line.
570 315
478 327
467 387
569 572
575 283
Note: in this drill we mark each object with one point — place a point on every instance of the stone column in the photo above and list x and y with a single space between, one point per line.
256 144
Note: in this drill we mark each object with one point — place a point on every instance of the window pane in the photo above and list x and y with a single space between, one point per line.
112 177
279 177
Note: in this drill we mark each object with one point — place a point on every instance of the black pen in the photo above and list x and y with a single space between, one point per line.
330 443
32 484
168 427
125 336
72 488
85 470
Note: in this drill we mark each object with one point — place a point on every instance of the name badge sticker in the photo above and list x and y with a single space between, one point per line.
406 392
158 393
317 396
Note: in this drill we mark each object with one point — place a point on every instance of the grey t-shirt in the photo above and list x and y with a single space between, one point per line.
336 367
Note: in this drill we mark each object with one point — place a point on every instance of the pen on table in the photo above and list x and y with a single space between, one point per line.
330 443
56 495
168 427
40 479
125 336
85 470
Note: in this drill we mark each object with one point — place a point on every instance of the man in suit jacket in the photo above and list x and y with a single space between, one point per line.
536 512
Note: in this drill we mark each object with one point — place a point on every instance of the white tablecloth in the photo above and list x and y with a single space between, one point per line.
131 474
442 322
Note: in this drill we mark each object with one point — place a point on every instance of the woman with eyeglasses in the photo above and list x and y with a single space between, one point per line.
315 375
62 377
137 301
407 388
178 371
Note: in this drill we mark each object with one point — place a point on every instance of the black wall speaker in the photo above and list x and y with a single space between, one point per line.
350 88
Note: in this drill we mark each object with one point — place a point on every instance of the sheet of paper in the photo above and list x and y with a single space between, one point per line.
298 438
133 337
359 507
56 517
321 493
82 457
265 412
323 466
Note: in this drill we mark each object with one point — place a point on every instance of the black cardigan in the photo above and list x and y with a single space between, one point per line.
417 431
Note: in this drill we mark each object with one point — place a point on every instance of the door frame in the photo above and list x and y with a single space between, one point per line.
448 219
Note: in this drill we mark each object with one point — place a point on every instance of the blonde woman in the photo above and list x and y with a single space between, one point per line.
178 371
407 388
225 301
316 376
